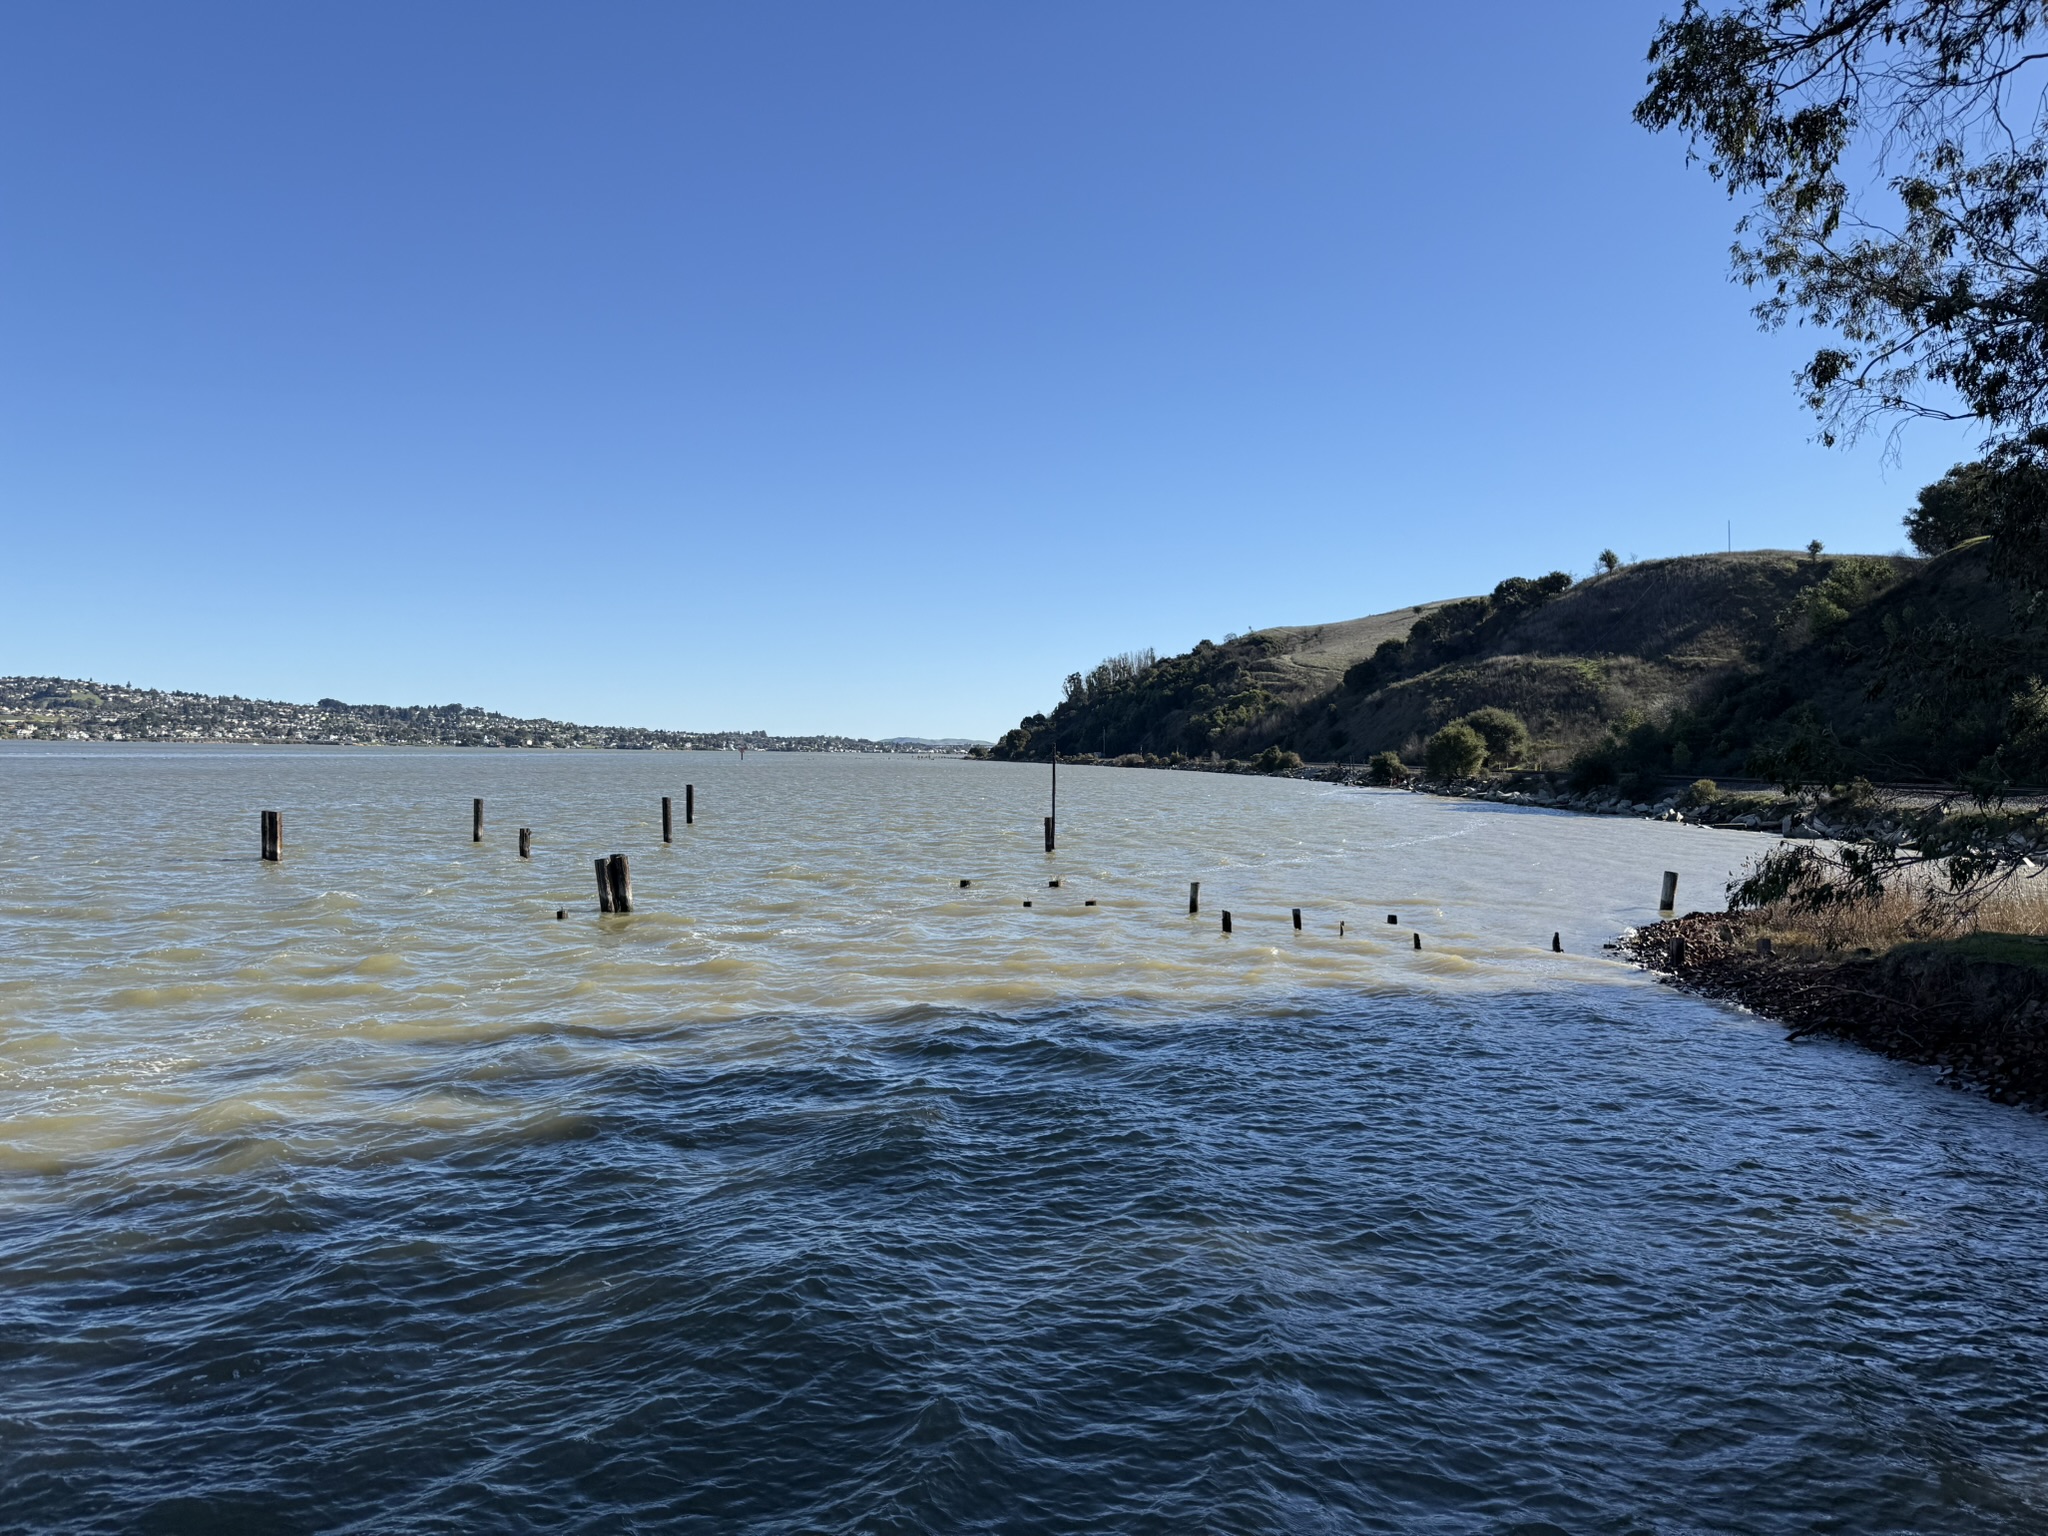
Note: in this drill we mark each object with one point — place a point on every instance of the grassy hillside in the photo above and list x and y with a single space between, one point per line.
1937 676
1882 665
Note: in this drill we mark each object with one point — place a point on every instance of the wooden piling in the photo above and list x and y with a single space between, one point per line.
1668 900
668 820
476 821
561 914
622 884
1052 885
604 884
1297 919
689 805
526 842
1226 921
1194 897
1048 834
1393 917
1418 941
1089 902
273 837
1678 953
1557 943
965 883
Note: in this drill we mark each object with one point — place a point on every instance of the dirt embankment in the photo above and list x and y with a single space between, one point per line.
1979 1015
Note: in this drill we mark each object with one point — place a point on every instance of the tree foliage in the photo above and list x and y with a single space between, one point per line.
1502 730
1958 506
1895 155
1455 752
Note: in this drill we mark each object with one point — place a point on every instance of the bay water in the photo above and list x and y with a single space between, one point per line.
359 1192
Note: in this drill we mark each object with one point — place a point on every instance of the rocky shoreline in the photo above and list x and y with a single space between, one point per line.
1980 1020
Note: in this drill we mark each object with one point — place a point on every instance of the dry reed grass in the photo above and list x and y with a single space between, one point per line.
1908 913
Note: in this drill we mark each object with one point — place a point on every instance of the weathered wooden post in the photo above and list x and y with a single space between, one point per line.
604 884
273 837
1668 901
1048 834
1226 920
1297 919
1394 917
689 805
965 883
526 842
668 820
1418 941
1557 943
476 821
1194 897
622 884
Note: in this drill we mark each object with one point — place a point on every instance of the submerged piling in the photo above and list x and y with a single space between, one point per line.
1668 900
621 883
1194 897
1557 943
689 805
1418 941
476 821
273 837
1048 834
604 884
526 842
668 820
1297 919
1226 921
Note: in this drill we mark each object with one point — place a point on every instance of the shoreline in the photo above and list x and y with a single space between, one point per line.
1974 1009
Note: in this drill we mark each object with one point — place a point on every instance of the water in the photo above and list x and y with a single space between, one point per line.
359 1193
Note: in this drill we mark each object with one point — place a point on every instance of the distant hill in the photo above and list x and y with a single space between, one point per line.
70 709
1884 665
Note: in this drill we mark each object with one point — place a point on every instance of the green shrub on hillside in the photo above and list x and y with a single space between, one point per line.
1455 752
1386 768
1851 582
1276 760
1701 792
1502 730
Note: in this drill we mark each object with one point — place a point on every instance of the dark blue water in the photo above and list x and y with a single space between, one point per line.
1593 1259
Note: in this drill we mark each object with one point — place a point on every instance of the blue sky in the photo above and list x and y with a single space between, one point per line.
858 368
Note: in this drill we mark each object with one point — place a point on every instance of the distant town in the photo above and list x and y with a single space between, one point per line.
70 709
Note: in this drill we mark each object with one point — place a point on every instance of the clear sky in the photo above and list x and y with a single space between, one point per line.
847 367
